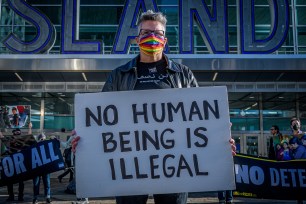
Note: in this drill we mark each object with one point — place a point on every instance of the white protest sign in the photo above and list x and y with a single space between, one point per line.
153 142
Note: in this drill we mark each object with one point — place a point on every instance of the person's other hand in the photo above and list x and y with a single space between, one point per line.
232 143
233 146
74 143
73 132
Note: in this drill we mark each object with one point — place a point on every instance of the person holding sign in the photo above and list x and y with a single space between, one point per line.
151 69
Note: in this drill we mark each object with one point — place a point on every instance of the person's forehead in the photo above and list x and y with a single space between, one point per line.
152 25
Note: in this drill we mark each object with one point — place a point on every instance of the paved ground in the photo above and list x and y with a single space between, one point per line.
59 196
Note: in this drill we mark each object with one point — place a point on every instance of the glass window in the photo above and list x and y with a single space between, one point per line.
111 15
252 145
58 122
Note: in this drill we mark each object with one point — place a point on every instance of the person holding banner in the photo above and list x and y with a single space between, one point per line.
45 178
10 187
151 69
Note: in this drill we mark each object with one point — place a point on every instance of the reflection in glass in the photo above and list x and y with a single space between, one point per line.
252 145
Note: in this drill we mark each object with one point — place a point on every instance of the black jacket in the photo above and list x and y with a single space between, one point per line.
124 77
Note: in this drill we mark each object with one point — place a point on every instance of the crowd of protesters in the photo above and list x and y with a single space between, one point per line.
9 147
284 148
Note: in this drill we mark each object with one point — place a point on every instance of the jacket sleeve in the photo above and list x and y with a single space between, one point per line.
192 80
109 84
189 78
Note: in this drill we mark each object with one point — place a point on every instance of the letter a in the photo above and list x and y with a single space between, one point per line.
127 29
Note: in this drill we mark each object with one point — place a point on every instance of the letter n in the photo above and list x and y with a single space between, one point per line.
127 29
45 31
213 26
279 10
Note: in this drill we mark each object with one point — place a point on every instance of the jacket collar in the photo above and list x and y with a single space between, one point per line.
132 65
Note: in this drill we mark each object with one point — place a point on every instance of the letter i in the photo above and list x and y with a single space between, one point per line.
188 138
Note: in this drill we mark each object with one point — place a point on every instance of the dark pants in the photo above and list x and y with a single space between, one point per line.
67 171
175 198
225 196
10 190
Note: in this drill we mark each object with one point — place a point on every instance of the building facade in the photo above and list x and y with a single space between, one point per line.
52 49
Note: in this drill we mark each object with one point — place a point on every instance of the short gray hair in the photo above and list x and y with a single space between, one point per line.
150 15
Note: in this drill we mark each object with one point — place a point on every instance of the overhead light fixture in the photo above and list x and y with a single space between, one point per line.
26 99
17 75
61 99
84 76
251 97
281 97
215 76
255 104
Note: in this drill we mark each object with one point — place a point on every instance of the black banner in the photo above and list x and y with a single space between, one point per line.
39 159
268 179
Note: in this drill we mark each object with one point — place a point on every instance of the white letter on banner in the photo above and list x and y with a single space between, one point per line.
45 160
274 175
293 171
8 166
242 172
284 177
52 155
19 165
257 175
35 159
301 177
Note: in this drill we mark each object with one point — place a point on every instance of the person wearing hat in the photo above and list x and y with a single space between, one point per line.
45 178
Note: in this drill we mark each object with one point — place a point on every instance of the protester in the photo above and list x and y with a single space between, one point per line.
12 150
45 178
225 196
68 157
276 138
164 73
287 155
295 125
298 150
279 152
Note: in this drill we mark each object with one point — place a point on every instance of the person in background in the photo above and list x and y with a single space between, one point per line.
287 152
295 125
276 138
10 187
225 196
279 152
68 157
298 150
46 180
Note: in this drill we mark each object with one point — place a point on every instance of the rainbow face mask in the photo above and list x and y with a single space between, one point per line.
151 44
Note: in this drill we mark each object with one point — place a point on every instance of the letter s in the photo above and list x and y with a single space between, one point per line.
45 35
